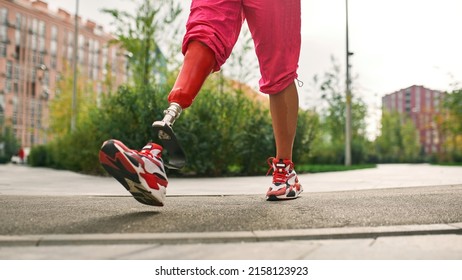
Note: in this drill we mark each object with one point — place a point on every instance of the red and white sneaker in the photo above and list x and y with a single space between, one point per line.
142 173
285 181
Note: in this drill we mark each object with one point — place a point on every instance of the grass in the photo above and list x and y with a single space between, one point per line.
318 168
299 168
449 163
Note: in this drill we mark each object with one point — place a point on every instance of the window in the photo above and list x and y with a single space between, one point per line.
400 102
436 101
42 28
33 42
81 57
8 85
81 41
53 62
70 38
46 78
34 74
96 55
17 37
428 95
54 33
53 52
34 26
408 100
53 48
104 56
15 119
3 16
16 72
17 32
417 99
70 55
41 44
2 101
3 50
9 76
3 34
9 70
3 25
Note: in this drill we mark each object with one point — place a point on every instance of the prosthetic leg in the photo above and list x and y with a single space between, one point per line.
199 62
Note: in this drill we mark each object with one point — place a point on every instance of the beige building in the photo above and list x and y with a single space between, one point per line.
37 48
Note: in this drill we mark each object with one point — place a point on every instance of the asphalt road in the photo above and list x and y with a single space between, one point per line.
83 214
388 212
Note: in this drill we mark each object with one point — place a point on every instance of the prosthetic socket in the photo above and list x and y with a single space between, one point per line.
199 61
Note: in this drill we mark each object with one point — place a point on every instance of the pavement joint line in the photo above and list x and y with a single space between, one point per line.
227 237
456 225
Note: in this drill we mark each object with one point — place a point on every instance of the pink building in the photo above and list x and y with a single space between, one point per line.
422 105
36 50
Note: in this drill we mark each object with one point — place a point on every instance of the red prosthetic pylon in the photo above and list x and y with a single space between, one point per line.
199 61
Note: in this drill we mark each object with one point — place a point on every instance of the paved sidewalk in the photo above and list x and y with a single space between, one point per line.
390 212
425 242
22 180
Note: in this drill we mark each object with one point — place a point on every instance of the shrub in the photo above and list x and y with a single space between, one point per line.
222 135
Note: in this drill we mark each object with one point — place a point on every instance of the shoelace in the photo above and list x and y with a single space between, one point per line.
147 152
278 177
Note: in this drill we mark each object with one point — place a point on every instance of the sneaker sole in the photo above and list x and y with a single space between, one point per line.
291 195
281 197
129 180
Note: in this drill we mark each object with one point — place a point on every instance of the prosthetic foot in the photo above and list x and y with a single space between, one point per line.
199 62
164 132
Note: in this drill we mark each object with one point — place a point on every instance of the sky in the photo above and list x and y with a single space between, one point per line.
396 43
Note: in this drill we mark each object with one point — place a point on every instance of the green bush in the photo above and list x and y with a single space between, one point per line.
222 134
39 156
10 143
4 159
225 135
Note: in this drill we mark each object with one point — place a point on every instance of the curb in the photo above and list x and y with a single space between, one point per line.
228 237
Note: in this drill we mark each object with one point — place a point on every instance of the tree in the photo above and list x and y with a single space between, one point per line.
141 35
451 123
330 145
60 105
9 145
398 140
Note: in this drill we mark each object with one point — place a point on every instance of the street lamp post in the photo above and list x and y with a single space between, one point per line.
348 96
74 89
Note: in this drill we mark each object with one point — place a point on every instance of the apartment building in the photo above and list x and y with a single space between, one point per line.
37 48
422 105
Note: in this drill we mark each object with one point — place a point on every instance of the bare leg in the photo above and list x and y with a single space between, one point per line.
284 113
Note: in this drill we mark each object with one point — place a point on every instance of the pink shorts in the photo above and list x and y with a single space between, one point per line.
275 28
